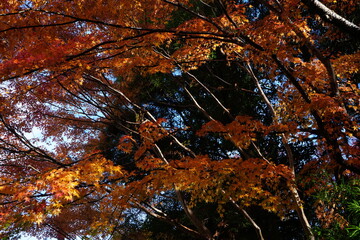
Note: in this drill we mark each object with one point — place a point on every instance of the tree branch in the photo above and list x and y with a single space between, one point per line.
332 17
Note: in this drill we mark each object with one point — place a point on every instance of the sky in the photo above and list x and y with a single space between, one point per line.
27 237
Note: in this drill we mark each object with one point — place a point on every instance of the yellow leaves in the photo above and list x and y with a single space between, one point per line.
55 207
55 212
34 217
93 170
47 193
38 218
63 183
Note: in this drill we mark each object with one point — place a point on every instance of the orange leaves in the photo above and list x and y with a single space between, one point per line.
252 181
212 126
249 182
325 104
241 131
151 163
93 170
159 38
329 215
347 65
48 192
150 132
59 182
244 129
126 144
81 55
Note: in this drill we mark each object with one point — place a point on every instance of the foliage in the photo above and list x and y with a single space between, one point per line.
337 212
219 119
354 208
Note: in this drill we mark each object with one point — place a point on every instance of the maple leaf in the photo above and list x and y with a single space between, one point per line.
178 110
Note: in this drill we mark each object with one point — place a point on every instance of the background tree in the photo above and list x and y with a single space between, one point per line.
213 117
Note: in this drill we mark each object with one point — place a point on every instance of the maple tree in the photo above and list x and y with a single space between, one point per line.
165 109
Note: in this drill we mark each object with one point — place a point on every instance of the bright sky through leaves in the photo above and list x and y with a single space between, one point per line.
204 116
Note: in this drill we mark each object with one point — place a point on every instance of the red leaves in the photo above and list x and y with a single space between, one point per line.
78 57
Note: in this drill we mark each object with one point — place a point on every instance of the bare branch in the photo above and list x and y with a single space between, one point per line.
332 17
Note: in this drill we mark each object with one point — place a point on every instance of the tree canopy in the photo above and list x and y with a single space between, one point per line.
174 119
